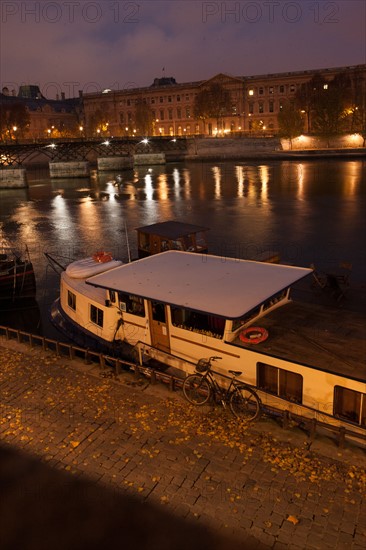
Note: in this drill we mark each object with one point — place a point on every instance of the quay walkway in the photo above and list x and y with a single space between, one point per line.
89 461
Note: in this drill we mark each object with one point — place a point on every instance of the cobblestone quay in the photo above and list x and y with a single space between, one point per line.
90 462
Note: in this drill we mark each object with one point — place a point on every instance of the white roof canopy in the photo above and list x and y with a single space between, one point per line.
220 286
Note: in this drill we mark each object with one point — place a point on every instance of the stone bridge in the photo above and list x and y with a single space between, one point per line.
23 154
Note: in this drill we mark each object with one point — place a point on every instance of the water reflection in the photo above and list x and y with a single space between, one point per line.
309 211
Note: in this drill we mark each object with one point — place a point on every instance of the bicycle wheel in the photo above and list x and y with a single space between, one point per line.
245 403
196 389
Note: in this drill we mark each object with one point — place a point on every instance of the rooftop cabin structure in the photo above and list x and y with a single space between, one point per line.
171 235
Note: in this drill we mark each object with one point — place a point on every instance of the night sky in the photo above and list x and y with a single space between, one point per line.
68 45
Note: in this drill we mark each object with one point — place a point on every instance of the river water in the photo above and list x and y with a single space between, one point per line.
310 212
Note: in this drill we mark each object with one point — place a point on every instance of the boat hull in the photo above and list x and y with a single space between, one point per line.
86 339
17 281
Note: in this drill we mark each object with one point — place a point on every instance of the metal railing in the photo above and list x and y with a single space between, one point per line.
114 366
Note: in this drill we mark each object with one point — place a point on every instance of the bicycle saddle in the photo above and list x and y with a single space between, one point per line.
236 372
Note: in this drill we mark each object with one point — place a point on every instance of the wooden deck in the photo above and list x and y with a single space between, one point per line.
325 337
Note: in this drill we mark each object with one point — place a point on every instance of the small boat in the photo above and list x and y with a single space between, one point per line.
177 307
17 278
171 235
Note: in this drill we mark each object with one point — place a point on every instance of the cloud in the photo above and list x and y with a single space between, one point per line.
118 44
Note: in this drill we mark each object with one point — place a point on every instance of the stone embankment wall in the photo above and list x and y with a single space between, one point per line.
302 143
221 148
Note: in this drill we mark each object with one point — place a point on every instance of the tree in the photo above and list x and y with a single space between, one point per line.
143 119
330 111
212 102
307 97
14 120
290 122
98 121
357 108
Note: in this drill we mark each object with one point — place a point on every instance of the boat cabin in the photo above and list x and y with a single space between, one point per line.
171 235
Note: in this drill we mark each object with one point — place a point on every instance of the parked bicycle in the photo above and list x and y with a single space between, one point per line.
200 387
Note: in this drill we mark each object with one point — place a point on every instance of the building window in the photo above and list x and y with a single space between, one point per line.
325 86
260 108
121 118
161 114
71 300
197 129
261 91
292 88
282 89
179 112
130 303
251 108
281 106
171 131
188 129
170 114
350 405
188 112
178 97
96 315
187 97
280 382
161 99
128 102
251 92
270 90
169 98
270 106
153 100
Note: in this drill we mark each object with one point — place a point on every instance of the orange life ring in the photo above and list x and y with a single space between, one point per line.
102 257
253 335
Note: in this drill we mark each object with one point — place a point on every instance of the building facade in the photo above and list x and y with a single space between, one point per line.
255 102
168 108
44 118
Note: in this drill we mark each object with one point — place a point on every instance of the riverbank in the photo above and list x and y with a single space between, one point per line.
305 154
142 450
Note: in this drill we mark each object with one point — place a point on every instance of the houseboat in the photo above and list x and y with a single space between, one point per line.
17 278
176 307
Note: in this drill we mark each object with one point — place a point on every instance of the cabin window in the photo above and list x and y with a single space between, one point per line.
350 405
201 240
280 382
196 321
177 245
144 241
130 303
71 300
158 312
96 315
237 323
276 298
